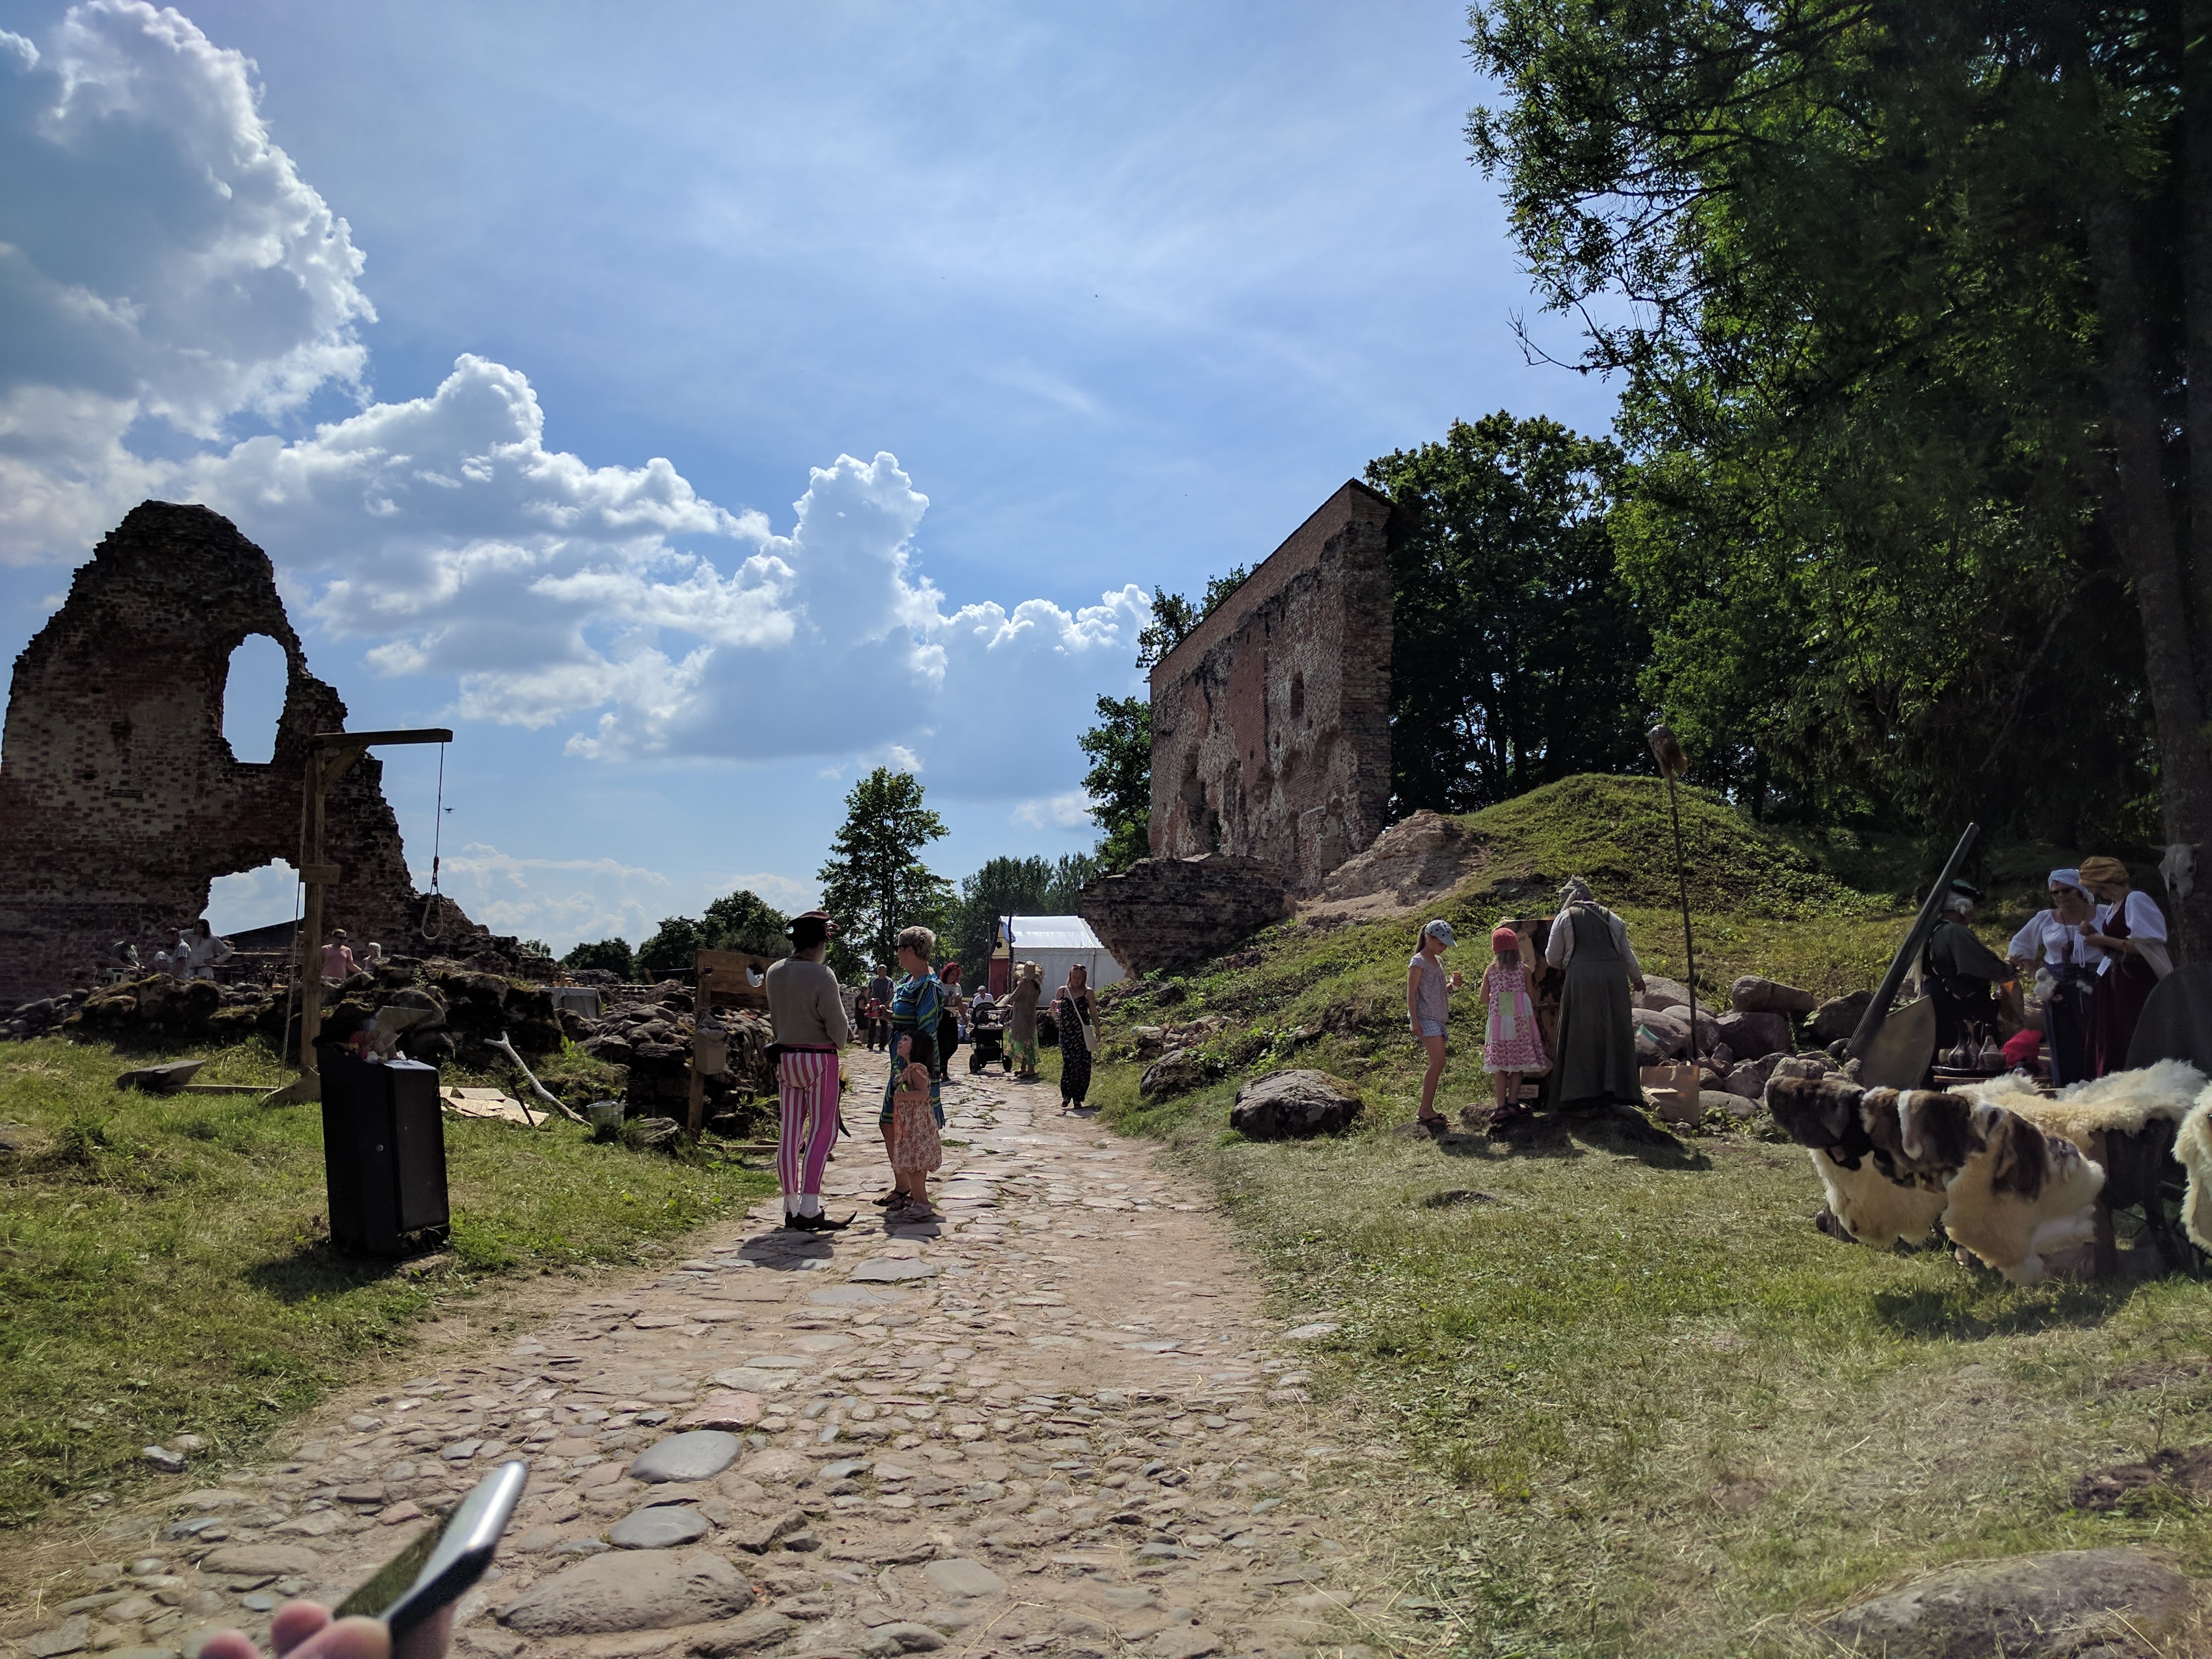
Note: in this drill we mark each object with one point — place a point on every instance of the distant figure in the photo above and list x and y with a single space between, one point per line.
2129 930
170 958
204 951
2049 946
371 956
338 963
1076 1016
124 956
1511 1046
1596 1057
916 1147
1961 973
948 1023
879 1008
808 1019
1428 1010
1022 1019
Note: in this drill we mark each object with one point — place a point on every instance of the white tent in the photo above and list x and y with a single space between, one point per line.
1056 944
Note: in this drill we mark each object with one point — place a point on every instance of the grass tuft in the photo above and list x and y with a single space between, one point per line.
165 1263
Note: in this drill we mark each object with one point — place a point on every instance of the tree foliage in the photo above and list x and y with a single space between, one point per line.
745 922
875 883
1917 319
674 949
611 956
1515 650
1119 781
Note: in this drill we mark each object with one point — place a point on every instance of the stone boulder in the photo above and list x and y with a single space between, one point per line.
630 1590
1294 1105
1838 1017
1670 1031
1175 1073
1751 1035
1753 995
1660 992
2063 1602
1748 1077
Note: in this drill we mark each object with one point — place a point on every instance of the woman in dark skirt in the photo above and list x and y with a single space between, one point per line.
2130 930
1078 1019
1594 1060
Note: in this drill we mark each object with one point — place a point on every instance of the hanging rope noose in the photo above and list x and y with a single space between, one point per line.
437 839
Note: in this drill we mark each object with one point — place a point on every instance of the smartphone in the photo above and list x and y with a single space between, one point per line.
436 1570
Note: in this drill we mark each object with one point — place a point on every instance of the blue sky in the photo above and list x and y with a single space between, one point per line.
514 333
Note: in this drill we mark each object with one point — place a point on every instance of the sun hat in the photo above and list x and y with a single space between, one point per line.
1504 939
1439 929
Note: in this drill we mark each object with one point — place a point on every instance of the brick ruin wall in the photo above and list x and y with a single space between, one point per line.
121 801
1271 720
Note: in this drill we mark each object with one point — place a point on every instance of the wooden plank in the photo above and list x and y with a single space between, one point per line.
735 978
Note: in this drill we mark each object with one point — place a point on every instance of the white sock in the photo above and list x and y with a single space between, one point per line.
810 1204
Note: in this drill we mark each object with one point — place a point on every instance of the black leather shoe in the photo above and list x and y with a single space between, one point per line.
815 1224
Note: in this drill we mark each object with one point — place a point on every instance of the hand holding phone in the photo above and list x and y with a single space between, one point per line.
437 1569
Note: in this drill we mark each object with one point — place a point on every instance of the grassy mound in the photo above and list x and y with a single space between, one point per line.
165 1263
1615 833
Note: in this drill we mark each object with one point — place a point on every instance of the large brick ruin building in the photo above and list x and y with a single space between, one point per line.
121 801
1271 743
1271 720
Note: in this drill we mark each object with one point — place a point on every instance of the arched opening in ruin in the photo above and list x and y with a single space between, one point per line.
1298 696
251 900
253 699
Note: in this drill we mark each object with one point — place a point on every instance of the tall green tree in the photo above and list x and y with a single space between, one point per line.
674 949
745 922
607 955
1515 650
1918 342
875 883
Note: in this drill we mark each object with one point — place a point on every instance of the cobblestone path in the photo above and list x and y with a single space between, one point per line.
1056 1424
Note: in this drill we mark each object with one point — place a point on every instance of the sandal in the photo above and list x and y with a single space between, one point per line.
1435 1123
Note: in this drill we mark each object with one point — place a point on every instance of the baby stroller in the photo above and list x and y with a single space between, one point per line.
987 1042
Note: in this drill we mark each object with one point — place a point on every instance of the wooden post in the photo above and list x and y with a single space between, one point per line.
330 756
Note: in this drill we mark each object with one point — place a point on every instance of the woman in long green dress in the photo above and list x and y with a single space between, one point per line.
1594 1060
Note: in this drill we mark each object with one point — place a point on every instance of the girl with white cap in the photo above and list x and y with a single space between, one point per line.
1428 1008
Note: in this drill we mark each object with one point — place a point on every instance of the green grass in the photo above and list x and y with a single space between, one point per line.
164 1266
1669 1418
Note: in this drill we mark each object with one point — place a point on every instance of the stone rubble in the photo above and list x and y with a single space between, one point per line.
1055 1424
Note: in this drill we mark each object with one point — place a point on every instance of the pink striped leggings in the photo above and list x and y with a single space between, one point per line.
807 1084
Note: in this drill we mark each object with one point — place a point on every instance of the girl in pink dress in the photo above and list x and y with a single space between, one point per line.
1512 1045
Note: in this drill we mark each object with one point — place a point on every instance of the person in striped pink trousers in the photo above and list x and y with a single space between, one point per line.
808 1015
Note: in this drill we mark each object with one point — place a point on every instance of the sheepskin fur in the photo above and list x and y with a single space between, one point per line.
2140 1114
1874 1209
2016 1193
2192 1146
1851 1135
2121 1104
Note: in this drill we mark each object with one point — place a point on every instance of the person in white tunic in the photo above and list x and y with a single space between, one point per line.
2049 946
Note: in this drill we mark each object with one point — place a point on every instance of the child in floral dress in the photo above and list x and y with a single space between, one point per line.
1511 1046
916 1147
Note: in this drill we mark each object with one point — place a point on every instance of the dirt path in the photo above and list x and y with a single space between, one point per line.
1059 1423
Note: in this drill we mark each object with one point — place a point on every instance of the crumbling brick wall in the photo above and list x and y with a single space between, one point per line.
1271 721
121 801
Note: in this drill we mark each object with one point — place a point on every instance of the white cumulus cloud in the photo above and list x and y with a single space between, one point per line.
161 260
214 291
